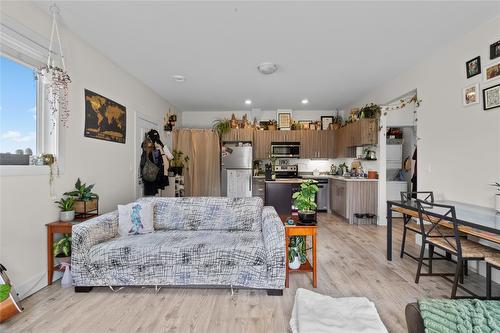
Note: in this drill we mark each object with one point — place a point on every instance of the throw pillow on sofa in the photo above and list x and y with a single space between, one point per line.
135 218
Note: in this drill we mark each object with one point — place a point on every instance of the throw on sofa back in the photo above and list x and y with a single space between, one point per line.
207 213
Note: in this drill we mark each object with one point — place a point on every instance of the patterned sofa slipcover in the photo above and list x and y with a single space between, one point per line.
205 241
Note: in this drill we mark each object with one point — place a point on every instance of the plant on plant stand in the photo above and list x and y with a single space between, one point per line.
66 205
497 196
85 200
296 252
177 163
305 201
62 249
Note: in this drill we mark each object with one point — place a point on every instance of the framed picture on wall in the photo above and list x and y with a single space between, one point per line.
284 119
495 50
471 94
473 67
304 124
491 97
326 121
492 72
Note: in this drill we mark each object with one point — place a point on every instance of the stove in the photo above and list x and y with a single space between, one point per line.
286 171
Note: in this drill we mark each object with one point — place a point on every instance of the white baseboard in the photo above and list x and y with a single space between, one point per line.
34 284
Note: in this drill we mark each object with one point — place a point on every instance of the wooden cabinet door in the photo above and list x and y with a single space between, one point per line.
325 144
262 144
291 136
309 144
369 131
239 135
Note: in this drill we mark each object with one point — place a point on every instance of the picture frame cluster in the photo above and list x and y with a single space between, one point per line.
491 72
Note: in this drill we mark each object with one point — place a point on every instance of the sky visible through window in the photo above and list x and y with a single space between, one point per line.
17 107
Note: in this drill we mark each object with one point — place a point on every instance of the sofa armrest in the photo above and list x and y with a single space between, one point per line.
273 232
92 232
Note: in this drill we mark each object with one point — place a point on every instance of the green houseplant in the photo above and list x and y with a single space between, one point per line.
85 200
66 205
370 111
296 252
62 248
305 201
221 126
4 291
177 163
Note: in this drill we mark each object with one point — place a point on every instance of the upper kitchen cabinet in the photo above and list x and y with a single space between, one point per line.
239 135
363 132
316 144
263 140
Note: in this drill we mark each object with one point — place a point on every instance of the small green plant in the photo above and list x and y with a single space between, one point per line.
221 126
371 110
4 291
66 204
63 246
305 198
82 192
297 248
179 159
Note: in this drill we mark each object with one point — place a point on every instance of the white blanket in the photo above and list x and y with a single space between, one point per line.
316 313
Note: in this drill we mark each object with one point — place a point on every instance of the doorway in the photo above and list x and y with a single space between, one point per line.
142 125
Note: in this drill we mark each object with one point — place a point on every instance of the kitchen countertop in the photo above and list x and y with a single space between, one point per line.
304 177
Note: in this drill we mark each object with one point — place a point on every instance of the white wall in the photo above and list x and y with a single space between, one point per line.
26 203
459 149
205 119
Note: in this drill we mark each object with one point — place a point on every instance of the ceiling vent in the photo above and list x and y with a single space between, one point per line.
267 68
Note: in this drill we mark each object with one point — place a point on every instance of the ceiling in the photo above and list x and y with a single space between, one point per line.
328 52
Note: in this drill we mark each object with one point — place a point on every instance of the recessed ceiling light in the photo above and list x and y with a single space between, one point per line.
248 101
267 68
178 78
305 101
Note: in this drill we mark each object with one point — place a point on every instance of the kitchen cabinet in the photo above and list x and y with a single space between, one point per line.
236 134
259 187
316 144
263 140
350 196
361 133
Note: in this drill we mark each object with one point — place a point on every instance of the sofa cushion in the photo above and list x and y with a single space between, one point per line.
180 247
207 213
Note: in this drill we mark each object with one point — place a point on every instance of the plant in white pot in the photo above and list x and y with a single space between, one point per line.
62 249
497 196
66 205
296 252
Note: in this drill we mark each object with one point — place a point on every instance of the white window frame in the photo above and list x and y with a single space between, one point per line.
25 47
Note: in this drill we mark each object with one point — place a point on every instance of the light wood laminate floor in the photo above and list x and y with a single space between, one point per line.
351 263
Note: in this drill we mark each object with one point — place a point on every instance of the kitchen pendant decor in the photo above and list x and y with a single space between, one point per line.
56 79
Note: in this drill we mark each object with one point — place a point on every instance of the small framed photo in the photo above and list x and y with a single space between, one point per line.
491 97
492 72
284 119
473 67
312 126
304 124
495 50
471 94
326 121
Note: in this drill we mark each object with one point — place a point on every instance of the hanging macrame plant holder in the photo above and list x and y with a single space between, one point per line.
55 78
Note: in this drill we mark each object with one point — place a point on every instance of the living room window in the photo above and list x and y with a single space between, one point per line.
19 111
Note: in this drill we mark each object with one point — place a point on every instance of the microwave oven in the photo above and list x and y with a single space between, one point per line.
285 149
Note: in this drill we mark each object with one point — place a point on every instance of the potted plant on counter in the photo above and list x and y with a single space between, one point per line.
497 196
66 205
305 201
177 163
85 200
62 249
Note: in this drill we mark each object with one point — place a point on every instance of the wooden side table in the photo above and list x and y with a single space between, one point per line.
301 230
58 227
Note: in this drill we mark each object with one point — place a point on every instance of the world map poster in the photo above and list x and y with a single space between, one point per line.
104 118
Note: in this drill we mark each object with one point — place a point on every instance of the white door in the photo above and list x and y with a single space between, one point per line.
142 126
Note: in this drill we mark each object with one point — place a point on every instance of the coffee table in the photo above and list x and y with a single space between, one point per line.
300 230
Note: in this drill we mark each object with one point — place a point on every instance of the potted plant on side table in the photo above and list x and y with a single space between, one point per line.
305 201
296 252
85 200
66 205
62 249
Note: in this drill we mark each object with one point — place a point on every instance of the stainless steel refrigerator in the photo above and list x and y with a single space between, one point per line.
236 169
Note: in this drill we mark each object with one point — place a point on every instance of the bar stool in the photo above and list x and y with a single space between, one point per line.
493 261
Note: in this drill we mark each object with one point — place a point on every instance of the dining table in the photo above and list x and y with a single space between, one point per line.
477 221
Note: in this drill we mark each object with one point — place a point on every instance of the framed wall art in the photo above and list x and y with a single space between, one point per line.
104 119
491 97
492 72
473 67
495 50
470 95
326 121
284 119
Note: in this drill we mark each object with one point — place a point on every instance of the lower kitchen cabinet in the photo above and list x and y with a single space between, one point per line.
279 195
348 197
259 187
